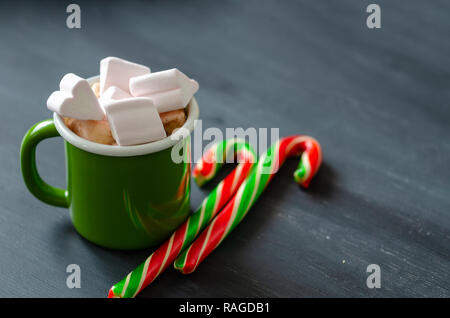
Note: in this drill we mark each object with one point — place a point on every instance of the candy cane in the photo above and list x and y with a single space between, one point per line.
213 158
235 210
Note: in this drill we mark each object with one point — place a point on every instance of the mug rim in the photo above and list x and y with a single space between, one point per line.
126 151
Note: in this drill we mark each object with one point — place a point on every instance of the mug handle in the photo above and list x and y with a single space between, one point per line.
38 187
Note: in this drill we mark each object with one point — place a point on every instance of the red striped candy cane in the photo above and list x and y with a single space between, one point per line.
205 170
235 210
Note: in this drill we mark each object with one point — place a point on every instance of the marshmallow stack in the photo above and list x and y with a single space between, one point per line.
131 98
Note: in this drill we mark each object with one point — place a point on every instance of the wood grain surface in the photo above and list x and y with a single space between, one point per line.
377 100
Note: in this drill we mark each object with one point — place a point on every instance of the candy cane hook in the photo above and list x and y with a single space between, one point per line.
235 210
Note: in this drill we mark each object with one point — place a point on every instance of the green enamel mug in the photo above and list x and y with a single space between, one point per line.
125 198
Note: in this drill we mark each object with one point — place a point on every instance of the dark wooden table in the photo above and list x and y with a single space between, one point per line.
377 100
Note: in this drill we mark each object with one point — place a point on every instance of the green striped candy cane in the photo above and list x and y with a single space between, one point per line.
204 171
235 210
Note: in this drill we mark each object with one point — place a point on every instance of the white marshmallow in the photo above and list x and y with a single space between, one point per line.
117 72
113 92
75 99
169 90
134 121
